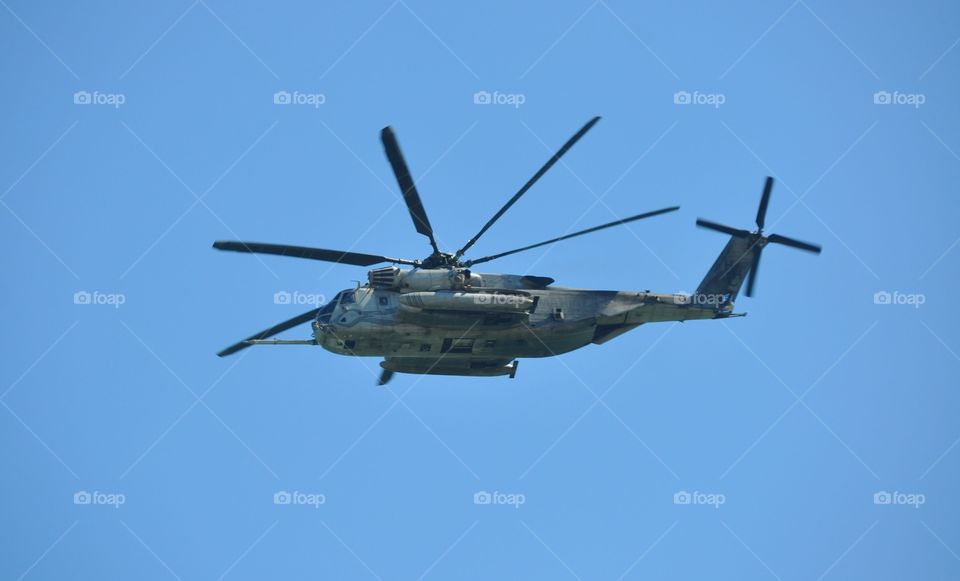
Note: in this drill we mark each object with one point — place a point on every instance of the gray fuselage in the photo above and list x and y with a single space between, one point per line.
481 329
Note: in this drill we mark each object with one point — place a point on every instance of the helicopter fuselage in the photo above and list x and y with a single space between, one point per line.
455 322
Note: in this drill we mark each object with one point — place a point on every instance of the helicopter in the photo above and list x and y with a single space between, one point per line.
440 317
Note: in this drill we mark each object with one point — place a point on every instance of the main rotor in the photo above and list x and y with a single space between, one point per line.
411 197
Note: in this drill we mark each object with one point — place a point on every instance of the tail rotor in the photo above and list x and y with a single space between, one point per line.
757 238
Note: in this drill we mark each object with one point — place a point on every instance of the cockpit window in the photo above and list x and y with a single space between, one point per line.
324 315
347 297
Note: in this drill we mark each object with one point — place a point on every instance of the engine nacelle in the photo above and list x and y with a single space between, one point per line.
423 279
387 277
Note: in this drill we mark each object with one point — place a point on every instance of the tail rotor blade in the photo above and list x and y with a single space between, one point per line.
778 239
721 228
764 201
752 277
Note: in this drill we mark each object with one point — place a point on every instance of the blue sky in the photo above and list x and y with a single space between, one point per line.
782 426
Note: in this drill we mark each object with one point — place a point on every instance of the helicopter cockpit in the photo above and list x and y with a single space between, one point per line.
327 311
345 297
343 301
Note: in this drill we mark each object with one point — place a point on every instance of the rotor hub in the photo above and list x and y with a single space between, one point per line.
440 260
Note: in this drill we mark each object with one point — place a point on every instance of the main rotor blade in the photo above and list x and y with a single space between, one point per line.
764 200
342 257
278 328
556 157
721 228
575 234
407 187
752 277
778 239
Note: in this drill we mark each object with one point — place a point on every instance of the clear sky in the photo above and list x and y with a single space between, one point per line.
816 437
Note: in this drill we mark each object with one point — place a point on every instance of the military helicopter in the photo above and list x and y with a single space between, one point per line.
440 317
